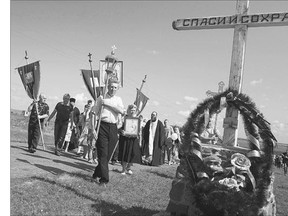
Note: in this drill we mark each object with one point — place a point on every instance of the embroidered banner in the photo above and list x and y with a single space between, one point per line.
30 76
141 101
88 80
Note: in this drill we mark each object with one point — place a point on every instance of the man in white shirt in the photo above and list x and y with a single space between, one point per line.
107 137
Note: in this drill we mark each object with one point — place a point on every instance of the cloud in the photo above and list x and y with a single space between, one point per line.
53 98
279 127
256 82
184 113
190 99
262 106
265 97
152 52
84 87
13 89
155 103
80 97
178 103
193 106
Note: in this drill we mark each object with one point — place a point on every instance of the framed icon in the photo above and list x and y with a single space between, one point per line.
118 73
131 126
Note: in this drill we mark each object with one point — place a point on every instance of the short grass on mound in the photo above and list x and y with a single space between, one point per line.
65 192
281 192
144 193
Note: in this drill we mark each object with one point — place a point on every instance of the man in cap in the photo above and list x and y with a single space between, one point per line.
34 130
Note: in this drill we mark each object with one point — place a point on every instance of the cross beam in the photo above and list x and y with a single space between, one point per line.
257 20
240 22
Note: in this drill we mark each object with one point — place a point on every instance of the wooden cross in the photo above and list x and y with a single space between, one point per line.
220 89
113 49
211 94
240 22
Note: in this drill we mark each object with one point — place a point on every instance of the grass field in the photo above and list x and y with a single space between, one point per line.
42 184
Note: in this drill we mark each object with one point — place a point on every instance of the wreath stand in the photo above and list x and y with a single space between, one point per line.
198 191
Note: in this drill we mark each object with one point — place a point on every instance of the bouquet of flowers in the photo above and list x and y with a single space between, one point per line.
225 192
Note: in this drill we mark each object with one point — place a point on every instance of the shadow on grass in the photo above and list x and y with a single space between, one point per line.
52 170
110 209
39 148
36 156
82 166
18 141
103 207
19 147
67 187
24 161
160 174
116 170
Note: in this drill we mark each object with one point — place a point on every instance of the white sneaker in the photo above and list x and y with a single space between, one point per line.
123 173
129 172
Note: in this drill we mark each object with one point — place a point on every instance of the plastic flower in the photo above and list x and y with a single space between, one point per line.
240 180
240 161
230 183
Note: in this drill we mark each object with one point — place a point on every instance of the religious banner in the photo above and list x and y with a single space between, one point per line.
141 101
30 76
88 80
118 73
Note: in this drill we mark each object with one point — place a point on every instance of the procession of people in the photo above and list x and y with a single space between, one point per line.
146 147
105 132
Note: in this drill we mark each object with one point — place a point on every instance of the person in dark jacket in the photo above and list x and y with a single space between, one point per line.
64 114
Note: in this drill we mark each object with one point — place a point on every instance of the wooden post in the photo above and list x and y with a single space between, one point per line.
236 73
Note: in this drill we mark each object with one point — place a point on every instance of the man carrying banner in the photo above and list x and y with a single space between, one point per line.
108 132
34 132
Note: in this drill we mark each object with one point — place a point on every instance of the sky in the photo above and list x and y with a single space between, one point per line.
181 66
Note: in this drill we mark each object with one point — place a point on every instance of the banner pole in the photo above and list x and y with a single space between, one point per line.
137 105
92 74
101 110
36 107
113 151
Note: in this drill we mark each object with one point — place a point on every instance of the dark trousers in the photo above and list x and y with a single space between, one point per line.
107 139
60 130
168 152
33 134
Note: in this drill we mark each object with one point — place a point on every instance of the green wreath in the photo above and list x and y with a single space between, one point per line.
257 128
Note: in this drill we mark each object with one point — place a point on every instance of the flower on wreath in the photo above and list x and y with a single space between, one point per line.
231 183
213 165
240 179
240 162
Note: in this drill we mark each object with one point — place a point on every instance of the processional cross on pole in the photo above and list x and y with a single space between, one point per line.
240 22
